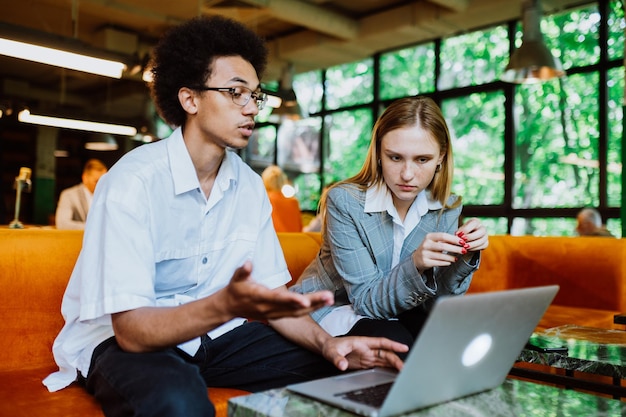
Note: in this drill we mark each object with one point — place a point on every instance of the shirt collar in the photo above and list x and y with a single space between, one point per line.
378 198
184 172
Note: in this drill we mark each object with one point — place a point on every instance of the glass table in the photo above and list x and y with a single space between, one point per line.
512 398
590 352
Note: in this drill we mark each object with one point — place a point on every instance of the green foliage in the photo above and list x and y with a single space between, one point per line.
350 84
573 36
473 58
557 226
476 125
407 72
615 84
308 188
495 225
556 124
348 137
615 43
556 162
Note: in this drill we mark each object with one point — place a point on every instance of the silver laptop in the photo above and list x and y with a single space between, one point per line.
467 345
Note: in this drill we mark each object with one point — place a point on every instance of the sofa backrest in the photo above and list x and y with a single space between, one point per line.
35 266
299 250
591 271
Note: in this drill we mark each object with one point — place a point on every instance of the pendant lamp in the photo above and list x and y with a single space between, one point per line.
532 62
289 106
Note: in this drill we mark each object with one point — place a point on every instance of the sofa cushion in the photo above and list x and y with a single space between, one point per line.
23 395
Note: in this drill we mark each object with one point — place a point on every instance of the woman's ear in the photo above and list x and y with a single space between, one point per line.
187 98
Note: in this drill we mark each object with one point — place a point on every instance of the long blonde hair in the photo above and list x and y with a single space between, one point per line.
403 113
273 178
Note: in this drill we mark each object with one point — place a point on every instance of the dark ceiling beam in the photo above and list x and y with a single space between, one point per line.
307 15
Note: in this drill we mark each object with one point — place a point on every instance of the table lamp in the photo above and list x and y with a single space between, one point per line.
22 182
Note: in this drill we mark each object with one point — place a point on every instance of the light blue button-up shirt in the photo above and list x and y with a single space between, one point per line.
153 239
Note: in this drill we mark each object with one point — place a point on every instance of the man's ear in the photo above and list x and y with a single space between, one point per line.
187 98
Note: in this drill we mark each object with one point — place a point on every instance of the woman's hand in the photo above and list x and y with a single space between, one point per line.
438 249
443 249
474 233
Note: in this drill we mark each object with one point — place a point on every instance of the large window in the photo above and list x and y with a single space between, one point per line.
527 157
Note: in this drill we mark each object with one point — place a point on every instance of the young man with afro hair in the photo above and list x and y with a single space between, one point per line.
179 250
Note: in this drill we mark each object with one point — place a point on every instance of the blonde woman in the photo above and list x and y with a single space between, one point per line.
392 241
286 214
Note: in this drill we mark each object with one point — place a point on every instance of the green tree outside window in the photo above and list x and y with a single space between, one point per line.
476 125
407 72
615 81
473 58
348 137
350 84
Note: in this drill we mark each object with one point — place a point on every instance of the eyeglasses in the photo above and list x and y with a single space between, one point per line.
240 95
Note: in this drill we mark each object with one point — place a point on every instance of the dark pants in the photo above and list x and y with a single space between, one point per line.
170 383
404 330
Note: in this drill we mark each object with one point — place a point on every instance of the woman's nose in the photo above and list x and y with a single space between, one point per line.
407 172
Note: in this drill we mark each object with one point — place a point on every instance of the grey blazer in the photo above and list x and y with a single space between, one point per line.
354 261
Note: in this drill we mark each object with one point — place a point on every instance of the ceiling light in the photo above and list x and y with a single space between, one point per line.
26 117
273 100
66 53
101 142
532 62
61 153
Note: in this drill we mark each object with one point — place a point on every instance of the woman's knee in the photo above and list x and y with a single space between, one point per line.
391 329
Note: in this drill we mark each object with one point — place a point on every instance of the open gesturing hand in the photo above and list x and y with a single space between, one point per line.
246 298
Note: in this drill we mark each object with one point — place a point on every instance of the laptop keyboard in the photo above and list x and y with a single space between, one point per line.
372 396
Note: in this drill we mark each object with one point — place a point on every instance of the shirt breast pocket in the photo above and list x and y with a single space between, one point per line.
176 272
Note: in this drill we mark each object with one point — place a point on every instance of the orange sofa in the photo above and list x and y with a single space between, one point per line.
35 265
591 273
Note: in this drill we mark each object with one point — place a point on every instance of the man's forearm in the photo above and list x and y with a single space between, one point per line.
303 331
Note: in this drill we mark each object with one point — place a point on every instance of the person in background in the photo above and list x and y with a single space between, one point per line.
286 213
391 237
180 282
74 202
589 223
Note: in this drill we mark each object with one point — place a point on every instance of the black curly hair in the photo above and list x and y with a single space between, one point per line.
182 58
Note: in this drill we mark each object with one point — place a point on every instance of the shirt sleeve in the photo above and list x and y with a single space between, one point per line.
117 256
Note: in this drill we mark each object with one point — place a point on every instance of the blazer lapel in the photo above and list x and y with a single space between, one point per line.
378 227
83 208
